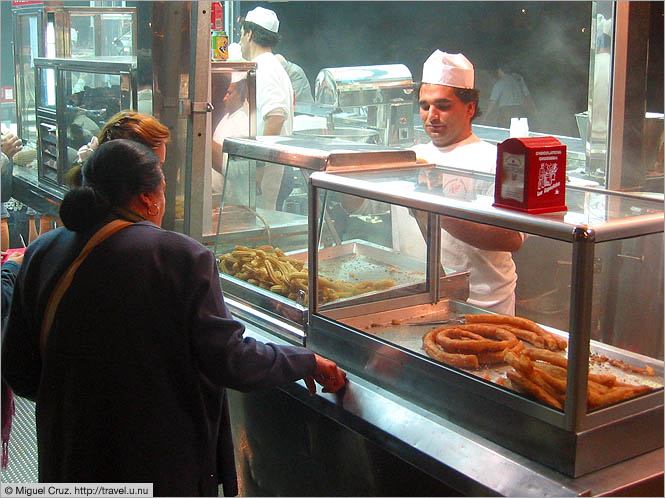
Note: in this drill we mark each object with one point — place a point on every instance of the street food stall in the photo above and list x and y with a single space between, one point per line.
419 416
381 314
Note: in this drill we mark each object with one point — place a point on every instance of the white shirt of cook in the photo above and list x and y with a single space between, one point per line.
492 277
274 95
235 124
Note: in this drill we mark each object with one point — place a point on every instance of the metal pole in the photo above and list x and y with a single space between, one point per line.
579 328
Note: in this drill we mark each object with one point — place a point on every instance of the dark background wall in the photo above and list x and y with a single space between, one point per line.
548 41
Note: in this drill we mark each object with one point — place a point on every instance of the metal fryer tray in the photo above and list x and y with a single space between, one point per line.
357 261
396 327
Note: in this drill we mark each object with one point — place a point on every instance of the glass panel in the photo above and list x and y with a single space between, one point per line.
49 151
258 244
47 88
357 262
101 34
624 298
116 34
93 99
593 124
82 35
627 317
230 118
27 38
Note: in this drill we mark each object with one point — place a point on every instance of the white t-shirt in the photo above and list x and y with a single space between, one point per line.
492 277
235 124
274 95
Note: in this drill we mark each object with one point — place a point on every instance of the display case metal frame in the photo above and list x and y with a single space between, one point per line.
308 154
572 441
22 48
54 118
62 22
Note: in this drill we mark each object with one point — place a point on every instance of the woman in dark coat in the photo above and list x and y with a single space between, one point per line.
130 384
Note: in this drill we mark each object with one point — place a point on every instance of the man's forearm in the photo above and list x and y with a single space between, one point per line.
486 237
272 125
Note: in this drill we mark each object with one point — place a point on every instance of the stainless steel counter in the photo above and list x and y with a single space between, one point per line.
437 449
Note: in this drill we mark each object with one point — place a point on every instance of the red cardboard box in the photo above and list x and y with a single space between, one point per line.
531 175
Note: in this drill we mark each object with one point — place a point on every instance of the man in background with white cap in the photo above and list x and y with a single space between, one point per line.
274 93
448 103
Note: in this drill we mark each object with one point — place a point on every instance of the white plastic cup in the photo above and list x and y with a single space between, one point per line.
519 127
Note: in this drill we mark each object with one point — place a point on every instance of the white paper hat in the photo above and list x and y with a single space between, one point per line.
265 18
238 76
442 68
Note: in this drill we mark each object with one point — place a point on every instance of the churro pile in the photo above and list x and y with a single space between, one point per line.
270 268
542 374
540 371
484 338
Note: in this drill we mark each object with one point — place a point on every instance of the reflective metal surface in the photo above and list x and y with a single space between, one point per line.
377 97
362 135
363 85
609 216
342 445
318 153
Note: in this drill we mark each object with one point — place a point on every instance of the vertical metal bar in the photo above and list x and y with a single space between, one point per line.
579 328
61 25
170 61
97 26
312 256
626 169
433 254
230 20
61 124
251 101
199 75
19 76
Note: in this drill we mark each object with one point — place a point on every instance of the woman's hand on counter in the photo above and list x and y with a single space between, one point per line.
328 374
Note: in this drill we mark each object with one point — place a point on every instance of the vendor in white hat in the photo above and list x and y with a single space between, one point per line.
274 93
448 103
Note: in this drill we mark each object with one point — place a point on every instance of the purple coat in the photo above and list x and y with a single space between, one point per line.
132 384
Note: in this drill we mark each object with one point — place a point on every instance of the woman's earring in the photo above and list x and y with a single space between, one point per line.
155 213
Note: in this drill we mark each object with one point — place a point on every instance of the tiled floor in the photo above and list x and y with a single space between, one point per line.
22 465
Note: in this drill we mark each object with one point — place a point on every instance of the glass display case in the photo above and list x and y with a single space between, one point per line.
28 44
74 100
576 390
83 32
262 225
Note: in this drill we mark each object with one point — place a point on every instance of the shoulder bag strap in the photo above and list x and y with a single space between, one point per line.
66 278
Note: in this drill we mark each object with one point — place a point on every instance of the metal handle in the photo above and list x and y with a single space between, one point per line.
634 258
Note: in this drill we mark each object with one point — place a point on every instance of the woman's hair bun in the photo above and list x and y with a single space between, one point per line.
82 208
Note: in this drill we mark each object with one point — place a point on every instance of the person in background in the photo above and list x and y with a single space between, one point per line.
234 123
129 124
130 379
510 98
602 75
10 145
10 269
144 81
299 80
274 93
448 103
